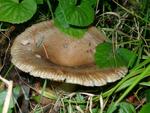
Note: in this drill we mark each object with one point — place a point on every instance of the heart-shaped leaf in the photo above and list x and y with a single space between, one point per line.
82 15
14 12
60 18
75 32
69 13
127 55
73 18
106 57
62 23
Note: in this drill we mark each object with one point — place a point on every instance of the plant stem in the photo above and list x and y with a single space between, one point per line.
8 71
140 77
50 8
136 70
43 89
131 12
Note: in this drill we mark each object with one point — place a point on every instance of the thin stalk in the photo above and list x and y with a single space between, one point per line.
140 50
140 77
8 71
147 61
116 89
43 89
50 8
131 12
135 71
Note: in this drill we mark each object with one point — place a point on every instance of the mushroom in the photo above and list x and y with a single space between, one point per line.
44 51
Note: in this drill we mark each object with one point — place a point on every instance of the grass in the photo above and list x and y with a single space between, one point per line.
125 28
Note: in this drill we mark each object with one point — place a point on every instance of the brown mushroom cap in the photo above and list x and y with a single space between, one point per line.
44 51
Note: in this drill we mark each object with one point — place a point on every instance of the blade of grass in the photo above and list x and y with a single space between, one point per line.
131 12
9 94
43 89
50 8
135 71
140 77
8 71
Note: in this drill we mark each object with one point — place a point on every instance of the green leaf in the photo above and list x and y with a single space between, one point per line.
112 107
145 83
73 19
14 12
147 94
16 92
82 15
96 110
126 108
60 18
68 13
106 57
127 55
75 32
61 22
91 2
39 1
65 3
3 94
145 108
126 84
79 98
1 108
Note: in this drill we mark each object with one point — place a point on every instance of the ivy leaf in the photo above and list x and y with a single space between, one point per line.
106 57
127 55
14 12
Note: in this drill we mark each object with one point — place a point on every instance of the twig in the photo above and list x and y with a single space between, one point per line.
9 94
45 50
4 36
